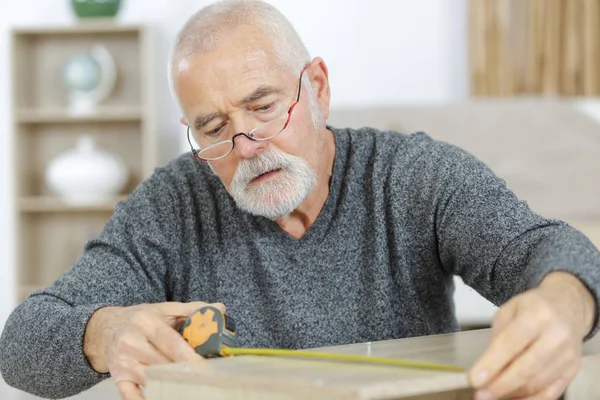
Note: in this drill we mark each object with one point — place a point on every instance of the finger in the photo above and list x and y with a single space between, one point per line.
557 389
176 321
551 393
170 343
191 307
518 334
129 371
136 348
220 306
536 368
502 318
129 390
553 381
147 354
175 309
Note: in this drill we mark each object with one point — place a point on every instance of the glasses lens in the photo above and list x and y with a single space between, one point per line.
215 151
270 129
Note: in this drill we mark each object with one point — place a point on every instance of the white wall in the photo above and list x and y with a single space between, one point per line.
6 223
378 52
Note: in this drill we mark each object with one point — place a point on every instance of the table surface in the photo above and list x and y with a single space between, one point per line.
103 391
461 349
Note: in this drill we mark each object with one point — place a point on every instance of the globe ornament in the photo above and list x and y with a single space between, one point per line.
89 79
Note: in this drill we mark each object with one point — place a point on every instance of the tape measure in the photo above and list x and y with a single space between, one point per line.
211 333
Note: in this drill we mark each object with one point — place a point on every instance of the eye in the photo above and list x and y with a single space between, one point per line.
214 131
265 108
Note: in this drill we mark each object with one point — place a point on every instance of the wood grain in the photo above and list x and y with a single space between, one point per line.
255 377
591 49
552 47
571 71
561 40
533 39
477 47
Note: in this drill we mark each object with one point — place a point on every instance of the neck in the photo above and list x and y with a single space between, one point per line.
301 219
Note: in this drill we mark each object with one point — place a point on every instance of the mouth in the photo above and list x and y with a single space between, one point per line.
266 175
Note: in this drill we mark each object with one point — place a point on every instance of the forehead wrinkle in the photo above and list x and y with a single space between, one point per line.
255 62
254 67
260 92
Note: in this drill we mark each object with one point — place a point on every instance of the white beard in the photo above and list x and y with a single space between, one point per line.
280 194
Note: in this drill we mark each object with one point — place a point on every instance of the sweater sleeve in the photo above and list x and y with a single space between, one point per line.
493 240
41 348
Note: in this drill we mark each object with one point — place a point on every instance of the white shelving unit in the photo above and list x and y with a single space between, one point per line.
51 233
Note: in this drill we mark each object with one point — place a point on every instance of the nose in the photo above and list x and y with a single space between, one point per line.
246 147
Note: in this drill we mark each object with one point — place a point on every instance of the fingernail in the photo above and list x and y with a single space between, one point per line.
190 355
220 306
480 378
483 395
556 390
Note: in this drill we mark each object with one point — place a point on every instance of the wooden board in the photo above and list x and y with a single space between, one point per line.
253 377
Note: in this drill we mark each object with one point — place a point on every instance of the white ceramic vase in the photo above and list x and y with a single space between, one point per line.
86 174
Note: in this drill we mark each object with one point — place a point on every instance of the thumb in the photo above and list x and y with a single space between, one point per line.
195 305
175 309
503 316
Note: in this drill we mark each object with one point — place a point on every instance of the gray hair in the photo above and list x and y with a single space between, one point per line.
205 29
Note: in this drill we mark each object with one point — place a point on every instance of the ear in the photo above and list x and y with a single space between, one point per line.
183 121
319 79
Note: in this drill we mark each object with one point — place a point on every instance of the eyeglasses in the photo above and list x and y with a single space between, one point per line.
266 131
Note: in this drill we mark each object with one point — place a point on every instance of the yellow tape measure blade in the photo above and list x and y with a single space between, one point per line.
343 357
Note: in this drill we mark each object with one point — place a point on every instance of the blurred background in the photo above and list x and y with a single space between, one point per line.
86 113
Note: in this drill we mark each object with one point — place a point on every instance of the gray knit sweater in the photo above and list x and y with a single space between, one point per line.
404 214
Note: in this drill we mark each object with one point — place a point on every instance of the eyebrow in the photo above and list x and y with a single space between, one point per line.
262 91
203 120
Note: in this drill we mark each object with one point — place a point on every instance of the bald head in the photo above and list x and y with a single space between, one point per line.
210 26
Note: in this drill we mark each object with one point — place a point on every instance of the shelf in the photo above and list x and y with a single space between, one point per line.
56 205
105 114
91 26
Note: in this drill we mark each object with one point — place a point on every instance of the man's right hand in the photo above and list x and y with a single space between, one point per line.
124 340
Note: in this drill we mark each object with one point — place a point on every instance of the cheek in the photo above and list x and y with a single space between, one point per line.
225 170
300 138
307 142
292 142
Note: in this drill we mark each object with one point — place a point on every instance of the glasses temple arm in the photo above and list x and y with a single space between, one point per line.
188 138
300 82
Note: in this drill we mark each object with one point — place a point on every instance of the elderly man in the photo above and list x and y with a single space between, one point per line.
308 234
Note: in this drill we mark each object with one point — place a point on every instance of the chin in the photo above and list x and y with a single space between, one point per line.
273 205
276 197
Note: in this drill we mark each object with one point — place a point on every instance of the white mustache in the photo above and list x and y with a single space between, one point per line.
262 163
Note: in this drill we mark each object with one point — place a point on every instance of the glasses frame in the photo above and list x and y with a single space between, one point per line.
249 135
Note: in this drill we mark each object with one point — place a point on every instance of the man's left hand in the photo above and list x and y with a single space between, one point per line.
536 338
